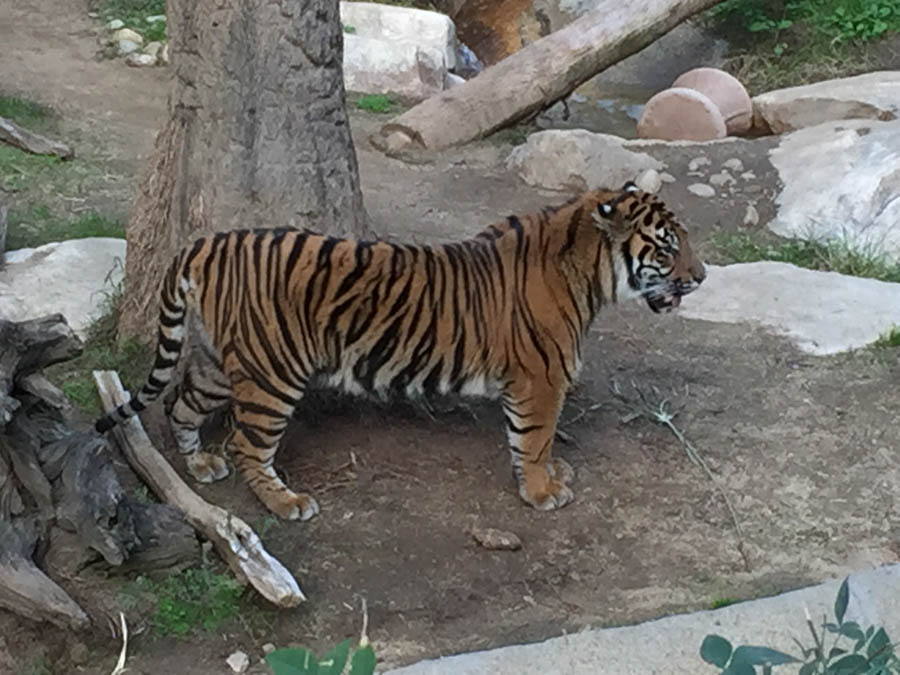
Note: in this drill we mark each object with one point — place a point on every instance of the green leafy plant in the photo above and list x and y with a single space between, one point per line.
349 29
183 603
301 661
868 652
719 603
133 14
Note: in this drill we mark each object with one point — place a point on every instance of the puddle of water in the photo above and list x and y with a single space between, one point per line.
601 107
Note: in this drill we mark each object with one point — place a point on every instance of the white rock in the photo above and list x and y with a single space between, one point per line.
397 49
129 35
153 49
841 180
417 27
163 55
268 648
567 159
697 162
667 177
137 60
722 178
68 277
156 18
748 175
649 181
873 96
701 190
127 47
733 164
238 662
751 216
115 24
375 66
822 312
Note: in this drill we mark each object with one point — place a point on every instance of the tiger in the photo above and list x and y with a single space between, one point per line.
502 315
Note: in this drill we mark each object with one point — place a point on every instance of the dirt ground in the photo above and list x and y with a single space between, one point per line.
804 446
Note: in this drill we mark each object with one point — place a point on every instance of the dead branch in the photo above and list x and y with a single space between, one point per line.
235 541
17 136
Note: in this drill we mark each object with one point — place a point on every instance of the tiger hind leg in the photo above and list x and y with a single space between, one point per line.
261 416
531 416
203 391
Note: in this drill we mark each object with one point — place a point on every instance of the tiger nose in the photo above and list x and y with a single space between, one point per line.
698 271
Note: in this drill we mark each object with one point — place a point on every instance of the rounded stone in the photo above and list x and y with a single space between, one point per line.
681 114
726 92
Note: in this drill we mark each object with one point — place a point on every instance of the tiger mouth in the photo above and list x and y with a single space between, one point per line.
659 303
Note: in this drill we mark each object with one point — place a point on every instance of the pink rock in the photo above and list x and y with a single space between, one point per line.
681 114
726 92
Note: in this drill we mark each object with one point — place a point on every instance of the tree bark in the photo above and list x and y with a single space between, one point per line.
538 75
258 136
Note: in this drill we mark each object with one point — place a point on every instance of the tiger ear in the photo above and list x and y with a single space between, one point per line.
630 186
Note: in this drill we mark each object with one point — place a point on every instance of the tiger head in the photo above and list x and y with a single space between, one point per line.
657 258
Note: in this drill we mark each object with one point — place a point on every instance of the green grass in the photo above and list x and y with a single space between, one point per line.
889 339
102 351
831 256
778 44
29 114
376 103
719 603
187 602
36 225
134 13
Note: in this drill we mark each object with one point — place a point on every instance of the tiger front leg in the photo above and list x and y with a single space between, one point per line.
531 416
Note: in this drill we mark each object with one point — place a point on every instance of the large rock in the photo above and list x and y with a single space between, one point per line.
874 96
576 160
681 114
822 312
841 180
726 91
72 278
396 49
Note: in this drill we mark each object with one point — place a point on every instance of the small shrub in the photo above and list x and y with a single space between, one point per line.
349 29
301 661
186 602
134 13
719 603
376 103
889 339
26 113
868 652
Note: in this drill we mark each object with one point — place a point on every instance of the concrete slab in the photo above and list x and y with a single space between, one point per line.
671 646
823 312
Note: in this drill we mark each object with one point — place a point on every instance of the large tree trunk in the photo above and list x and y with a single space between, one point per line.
258 136
536 76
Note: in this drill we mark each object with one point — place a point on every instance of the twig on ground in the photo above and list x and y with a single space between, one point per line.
661 413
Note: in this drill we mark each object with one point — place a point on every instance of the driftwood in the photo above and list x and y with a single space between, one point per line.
235 541
535 77
26 590
12 133
61 505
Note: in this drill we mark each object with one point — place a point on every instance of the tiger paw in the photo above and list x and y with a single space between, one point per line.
292 506
554 495
561 470
206 467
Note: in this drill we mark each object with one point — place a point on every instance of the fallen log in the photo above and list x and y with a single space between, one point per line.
235 541
536 76
26 140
